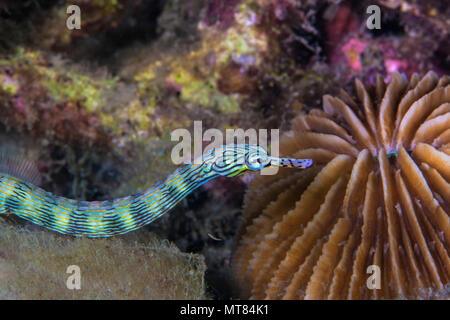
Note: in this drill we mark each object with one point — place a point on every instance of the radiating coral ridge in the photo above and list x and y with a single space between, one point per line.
371 219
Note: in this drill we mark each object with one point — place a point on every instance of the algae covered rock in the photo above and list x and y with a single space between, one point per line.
34 265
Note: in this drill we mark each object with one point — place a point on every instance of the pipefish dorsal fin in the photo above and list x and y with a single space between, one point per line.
19 162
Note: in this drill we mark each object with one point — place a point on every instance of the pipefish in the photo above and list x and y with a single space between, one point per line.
98 219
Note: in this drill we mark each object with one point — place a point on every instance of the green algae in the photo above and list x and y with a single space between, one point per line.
78 87
8 85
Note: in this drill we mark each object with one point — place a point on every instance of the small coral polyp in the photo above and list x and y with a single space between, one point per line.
377 198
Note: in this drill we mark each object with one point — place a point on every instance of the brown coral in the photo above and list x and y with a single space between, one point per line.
379 194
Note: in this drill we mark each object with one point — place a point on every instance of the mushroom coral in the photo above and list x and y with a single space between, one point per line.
370 220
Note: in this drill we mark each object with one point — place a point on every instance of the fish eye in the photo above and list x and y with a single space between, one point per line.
255 162
255 159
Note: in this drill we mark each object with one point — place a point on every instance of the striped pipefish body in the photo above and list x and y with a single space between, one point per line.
96 219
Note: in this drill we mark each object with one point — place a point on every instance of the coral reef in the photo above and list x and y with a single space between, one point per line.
79 118
99 103
378 195
413 38
33 265
39 98
105 26
236 65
